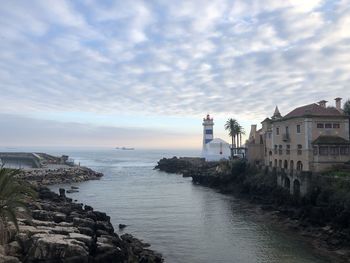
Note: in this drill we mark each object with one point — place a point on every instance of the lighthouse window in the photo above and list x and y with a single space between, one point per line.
208 131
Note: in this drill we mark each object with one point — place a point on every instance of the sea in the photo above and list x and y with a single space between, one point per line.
183 221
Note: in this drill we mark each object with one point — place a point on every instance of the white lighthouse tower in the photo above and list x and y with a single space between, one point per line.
213 149
208 132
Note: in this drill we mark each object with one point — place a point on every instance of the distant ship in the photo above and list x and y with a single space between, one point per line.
125 148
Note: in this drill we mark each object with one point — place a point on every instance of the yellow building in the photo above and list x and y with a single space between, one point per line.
313 137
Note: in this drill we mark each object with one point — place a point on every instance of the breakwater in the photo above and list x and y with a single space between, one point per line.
322 216
46 176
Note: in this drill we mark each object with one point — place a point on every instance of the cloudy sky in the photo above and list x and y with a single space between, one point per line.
144 73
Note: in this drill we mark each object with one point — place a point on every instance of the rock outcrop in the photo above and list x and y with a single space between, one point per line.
73 174
63 231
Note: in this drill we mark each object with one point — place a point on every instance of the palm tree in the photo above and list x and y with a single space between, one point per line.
231 125
240 131
13 193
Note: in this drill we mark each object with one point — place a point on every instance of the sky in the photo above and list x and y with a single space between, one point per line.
144 73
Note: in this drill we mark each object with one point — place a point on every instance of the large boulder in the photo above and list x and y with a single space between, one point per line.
50 247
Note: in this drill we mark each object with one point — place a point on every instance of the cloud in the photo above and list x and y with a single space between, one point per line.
179 58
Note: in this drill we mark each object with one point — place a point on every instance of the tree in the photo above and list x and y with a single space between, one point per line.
239 131
346 107
13 193
231 126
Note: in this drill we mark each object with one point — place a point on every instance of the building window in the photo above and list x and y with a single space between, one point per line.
320 125
298 128
280 149
277 131
300 147
288 149
323 150
280 163
344 150
269 135
275 162
208 131
328 125
275 149
315 150
336 125
299 166
334 150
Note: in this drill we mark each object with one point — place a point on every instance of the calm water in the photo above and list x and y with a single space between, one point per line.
185 222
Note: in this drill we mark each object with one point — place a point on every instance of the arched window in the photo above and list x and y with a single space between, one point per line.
299 166
280 163
275 162
291 166
285 165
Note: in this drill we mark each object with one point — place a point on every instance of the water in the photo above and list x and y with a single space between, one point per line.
185 222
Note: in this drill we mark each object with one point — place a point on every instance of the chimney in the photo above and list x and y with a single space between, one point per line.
252 132
338 103
322 103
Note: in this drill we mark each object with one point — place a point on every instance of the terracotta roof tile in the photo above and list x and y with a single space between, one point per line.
314 110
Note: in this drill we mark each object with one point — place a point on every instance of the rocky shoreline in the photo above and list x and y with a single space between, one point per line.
58 230
330 238
63 231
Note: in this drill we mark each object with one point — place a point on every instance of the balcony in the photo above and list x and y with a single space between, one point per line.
286 137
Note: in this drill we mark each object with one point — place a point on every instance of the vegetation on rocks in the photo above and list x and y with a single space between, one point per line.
13 196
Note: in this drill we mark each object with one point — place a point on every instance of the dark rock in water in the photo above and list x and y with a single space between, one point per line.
62 192
88 208
122 226
72 191
74 187
102 216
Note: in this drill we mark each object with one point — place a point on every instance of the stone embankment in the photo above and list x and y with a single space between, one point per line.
66 232
322 216
45 176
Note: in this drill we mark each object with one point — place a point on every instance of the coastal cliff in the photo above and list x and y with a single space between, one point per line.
322 216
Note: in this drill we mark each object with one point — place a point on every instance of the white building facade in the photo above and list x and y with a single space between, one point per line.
213 149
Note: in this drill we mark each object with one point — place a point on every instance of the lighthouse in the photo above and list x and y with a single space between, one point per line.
208 132
213 149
